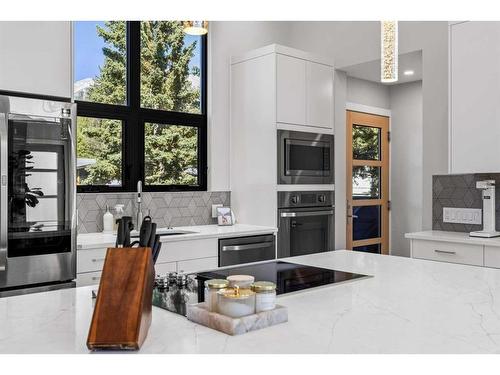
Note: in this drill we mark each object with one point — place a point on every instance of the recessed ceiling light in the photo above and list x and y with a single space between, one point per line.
408 72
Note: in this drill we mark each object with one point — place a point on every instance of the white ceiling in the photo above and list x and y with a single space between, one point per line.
370 70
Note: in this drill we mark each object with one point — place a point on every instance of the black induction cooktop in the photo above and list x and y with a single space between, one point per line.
288 277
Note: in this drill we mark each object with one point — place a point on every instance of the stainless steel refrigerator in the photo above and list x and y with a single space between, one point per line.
37 194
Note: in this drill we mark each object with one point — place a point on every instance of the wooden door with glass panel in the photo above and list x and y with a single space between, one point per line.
367 182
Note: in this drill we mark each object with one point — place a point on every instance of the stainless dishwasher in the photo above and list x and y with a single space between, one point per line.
246 249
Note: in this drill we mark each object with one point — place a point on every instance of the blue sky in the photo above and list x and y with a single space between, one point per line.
88 49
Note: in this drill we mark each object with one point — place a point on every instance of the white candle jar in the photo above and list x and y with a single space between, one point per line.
211 288
236 302
240 281
265 295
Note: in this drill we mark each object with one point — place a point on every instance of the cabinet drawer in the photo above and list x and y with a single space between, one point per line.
448 252
492 256
196 265
164 268
88 278
90 260
184 250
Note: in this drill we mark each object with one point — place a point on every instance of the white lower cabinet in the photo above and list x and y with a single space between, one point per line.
492 256
185 256
163 268
90 260
196 265
448 252
88 278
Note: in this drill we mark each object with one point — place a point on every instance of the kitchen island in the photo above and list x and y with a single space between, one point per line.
408 306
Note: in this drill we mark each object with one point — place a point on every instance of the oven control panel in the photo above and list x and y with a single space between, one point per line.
305 198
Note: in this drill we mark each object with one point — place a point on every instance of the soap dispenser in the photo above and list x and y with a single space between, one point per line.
107 221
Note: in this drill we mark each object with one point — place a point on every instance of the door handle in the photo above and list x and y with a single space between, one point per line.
353 216
247 247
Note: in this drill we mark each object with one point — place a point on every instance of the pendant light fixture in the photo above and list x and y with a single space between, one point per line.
195 27
389 51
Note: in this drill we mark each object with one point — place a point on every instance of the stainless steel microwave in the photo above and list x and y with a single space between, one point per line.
305 158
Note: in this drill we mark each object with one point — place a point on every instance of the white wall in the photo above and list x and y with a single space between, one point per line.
406 164
228 39
369 93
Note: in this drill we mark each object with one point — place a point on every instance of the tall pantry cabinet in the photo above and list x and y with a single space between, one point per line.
274 87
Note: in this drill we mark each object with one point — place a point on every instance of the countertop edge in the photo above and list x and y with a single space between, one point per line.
457 237
189 236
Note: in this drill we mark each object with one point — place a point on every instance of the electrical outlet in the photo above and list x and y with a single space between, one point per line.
214 210
462 215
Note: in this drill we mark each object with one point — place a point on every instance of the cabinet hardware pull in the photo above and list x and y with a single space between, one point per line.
95 278
98 260
445 252
247 247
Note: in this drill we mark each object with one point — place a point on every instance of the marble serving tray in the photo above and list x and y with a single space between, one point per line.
236 326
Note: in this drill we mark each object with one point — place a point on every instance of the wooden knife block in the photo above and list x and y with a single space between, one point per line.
122 313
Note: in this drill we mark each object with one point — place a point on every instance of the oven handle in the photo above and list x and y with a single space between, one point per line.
247 247
306 213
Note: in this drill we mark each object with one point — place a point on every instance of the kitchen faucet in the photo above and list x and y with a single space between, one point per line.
139 205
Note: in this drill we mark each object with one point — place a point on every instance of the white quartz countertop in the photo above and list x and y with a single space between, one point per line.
95 240
409 306
457 237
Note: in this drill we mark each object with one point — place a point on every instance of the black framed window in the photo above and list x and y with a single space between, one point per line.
140 88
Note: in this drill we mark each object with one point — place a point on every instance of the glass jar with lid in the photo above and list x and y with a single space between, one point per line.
265 295
211 288
236 302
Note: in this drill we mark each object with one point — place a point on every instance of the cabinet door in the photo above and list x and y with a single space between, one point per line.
291 90
475 94
188 249
319 95
36 57
197 265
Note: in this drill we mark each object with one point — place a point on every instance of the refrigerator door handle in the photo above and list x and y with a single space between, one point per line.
3 190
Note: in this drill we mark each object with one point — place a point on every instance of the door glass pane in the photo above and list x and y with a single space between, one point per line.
365 182
99 152
100 61
366 222
365 142
170 67
171 154
39 216
375 248
46 181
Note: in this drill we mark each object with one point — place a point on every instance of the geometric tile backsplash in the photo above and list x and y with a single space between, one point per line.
459 190
166 209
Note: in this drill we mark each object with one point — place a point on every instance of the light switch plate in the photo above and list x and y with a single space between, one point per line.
462 215
214 210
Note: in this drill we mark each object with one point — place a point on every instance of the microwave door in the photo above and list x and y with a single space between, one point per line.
307 158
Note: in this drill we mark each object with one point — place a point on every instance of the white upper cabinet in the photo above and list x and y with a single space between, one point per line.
319 95
475 97
304 92
291 90
36 57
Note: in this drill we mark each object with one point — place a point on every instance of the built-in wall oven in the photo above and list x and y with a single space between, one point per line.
305 158
306 222
37 194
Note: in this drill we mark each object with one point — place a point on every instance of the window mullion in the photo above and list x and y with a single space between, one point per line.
132 145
